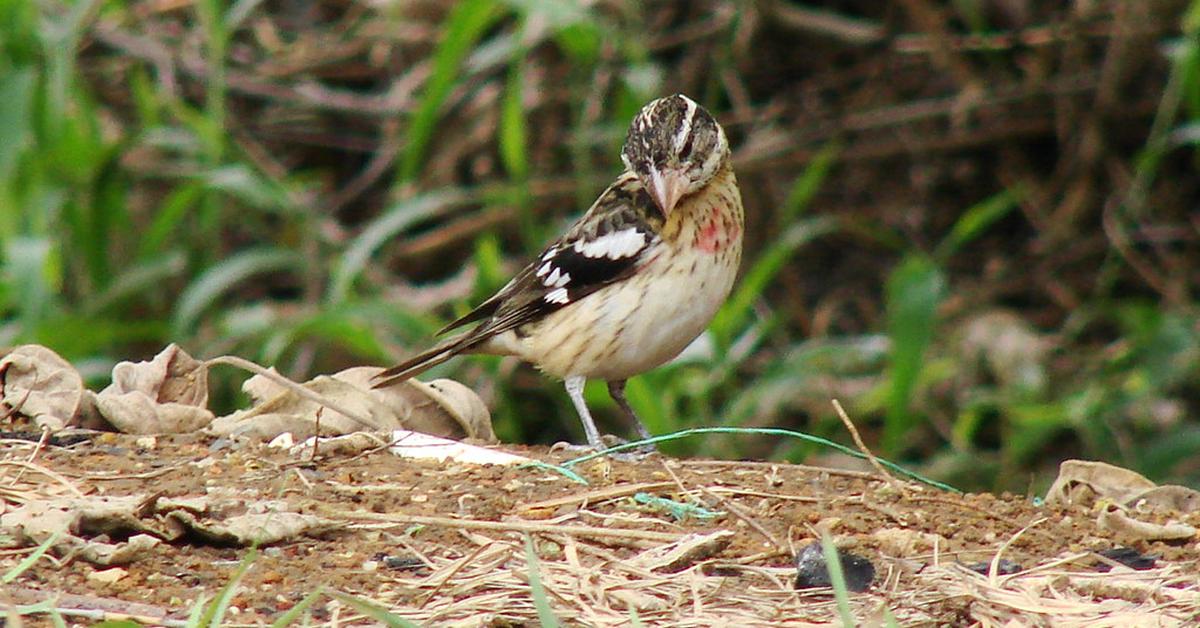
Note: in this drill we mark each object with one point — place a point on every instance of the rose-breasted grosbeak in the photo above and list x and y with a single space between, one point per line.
634 280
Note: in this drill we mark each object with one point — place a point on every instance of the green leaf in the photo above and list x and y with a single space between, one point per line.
489 261
226 275
464 27
214 614
142 278
541 601
837 578
31 559
582 42
913 293
33 274
243 183
372 611
292 616
975 221
169 218
16 129
806 185
1161 455
512 135
394 220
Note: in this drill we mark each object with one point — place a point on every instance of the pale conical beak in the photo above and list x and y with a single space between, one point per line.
667 188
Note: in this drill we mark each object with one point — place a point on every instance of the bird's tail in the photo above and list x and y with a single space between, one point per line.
423 361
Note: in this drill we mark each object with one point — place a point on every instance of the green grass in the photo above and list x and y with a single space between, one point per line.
166 218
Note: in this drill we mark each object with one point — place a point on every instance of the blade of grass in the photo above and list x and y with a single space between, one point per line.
167 220
141 278
372 611
31 559
293 613
397 218
467 22
808 183
33 276
214 613
913 293
223 277
16 130
833 563
975 220
512 136
541 602
733 315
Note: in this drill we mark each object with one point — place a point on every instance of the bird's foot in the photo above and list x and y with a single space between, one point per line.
608 441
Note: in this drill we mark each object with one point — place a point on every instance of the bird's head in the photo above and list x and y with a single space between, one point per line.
675 147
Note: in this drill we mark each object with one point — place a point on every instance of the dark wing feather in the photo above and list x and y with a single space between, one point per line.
602 247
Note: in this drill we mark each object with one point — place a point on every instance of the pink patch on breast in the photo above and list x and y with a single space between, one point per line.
712 238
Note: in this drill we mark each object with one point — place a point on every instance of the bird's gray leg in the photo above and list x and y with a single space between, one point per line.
575 390
617 390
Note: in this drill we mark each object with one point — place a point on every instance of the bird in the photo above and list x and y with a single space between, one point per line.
630 283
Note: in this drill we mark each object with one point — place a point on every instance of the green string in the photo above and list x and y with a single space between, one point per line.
770 431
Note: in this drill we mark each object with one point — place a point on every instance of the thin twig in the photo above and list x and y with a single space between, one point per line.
515 526
858 442
299 389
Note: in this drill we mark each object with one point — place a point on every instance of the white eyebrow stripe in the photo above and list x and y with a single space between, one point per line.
615 245
685 129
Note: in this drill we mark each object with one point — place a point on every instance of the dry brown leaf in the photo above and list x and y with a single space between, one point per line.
42 386
172 376
442 408
683 553
253 528
1116 519
74 520
137 413
1085 481
166 395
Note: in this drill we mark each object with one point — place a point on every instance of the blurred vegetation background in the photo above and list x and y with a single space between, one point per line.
975 222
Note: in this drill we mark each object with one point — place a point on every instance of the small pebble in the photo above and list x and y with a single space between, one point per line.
107 576
1006 567
1126 556
812 572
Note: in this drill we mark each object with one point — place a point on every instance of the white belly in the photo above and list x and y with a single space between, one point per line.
637 324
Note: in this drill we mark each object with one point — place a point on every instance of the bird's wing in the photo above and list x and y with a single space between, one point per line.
604 246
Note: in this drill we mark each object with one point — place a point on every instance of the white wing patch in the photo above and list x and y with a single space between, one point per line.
557 296
557 279
615 245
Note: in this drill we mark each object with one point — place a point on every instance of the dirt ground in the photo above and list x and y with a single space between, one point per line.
444 544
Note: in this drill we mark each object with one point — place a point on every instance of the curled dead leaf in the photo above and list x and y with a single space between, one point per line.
1116 519
1086 481
172 376
137 413
166 395
683 553
253 528
41 385
441 408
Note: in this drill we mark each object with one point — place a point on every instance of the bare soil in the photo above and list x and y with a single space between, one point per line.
435 573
